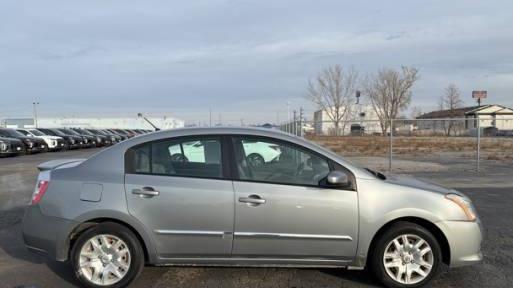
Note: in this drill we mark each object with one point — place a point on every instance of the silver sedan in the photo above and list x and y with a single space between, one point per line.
199 197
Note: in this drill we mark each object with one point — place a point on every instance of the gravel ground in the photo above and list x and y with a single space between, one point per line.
491 191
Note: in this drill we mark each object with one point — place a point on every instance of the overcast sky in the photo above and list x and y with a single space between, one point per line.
242 59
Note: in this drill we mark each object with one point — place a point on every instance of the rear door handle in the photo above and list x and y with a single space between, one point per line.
252 200
146 192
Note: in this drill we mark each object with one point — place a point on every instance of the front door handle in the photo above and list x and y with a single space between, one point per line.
252 200
146 192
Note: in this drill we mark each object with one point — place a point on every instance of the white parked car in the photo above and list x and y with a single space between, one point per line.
53 142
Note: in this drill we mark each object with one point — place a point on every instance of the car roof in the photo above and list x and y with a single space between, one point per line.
115 154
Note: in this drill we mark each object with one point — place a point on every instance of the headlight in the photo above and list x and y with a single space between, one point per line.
464 204
72 141
30 144
3 146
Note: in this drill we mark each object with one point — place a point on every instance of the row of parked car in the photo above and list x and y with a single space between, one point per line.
35 140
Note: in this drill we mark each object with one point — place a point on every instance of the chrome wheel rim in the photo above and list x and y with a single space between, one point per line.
408 259
104 259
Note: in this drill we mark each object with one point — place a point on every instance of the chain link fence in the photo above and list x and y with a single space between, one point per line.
406 144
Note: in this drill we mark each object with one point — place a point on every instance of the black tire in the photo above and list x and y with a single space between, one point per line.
120 231
377 266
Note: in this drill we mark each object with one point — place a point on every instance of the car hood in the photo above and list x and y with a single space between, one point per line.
8 139
50 137
33 139
409 181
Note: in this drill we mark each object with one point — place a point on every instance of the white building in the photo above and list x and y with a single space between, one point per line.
164 122
467 119
361 114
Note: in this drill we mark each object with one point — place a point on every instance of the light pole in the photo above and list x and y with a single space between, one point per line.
34 106
287 123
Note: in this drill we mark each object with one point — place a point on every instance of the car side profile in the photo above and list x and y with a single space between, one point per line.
32 144
135 204
71 141
53 143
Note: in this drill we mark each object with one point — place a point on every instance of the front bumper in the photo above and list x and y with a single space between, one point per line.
76 145
36 149
464 241
59 145
13 149
46 235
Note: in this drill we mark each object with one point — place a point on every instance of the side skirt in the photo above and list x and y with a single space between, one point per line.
254 262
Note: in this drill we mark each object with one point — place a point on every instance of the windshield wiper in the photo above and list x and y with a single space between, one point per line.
377 174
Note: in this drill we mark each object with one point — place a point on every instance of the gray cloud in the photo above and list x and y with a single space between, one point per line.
243 59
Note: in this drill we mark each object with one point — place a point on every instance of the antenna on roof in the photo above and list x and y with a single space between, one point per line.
140 115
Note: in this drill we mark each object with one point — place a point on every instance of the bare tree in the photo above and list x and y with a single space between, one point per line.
390 93
416 111
451 100
332 91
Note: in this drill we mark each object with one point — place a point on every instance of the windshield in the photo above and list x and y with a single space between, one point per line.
11 133
69 131
355 165
84 132
59 133
36 132
95 132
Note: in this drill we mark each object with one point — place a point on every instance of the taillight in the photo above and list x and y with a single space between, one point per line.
41 187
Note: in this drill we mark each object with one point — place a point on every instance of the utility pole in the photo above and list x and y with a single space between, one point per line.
210 117
301 117
287 123
294 128
34 105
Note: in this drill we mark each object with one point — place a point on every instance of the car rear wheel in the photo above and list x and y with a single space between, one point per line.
406 255
107 255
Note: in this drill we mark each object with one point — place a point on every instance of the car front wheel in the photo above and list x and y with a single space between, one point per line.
107 255
406 255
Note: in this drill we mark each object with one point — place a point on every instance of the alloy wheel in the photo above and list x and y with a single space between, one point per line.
104 259
408 259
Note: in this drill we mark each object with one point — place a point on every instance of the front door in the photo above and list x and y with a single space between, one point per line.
281 212
176 188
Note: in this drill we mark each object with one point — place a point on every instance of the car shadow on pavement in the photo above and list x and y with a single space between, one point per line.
362 278
11 242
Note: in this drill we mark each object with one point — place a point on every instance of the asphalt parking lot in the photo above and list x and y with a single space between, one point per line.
492 193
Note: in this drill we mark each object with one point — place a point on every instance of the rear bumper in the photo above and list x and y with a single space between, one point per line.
46 235
464 241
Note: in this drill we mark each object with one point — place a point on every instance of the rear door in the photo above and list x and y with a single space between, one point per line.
281 211
177 188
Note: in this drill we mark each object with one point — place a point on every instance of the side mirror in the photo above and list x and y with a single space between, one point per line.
337 179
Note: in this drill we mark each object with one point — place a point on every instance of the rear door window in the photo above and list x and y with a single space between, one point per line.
190 157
